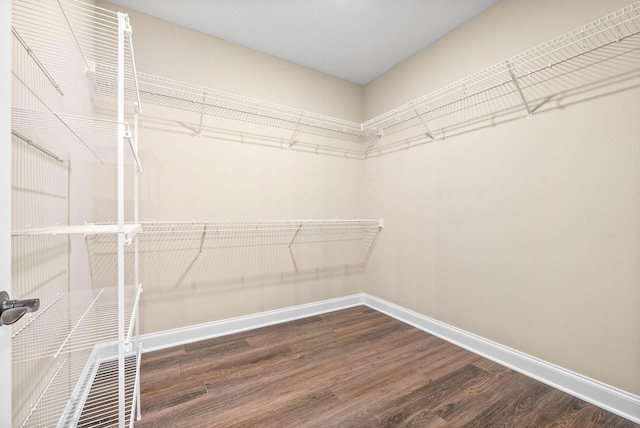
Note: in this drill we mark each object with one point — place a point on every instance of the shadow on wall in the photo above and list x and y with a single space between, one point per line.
198 256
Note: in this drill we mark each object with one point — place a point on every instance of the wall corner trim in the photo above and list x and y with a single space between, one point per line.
602 395
605 396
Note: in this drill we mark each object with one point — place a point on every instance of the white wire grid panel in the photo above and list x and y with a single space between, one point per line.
210 113
130 230
224 253
95 403
64 57
65 137
39 264
64 76
63 335
585 59
595 55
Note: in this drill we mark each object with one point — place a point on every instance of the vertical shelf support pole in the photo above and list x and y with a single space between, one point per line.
136 261
517 84
122 25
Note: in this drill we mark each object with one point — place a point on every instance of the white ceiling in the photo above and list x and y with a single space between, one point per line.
356 40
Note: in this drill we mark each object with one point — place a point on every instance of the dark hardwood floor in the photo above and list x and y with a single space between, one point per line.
350 368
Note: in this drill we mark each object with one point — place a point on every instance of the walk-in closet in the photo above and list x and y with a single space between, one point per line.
197 231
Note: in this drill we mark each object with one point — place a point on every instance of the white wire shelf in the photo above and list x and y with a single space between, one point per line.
75 331
66 137
211 113
257 227
90 377
49 402
222 253
130 230
95 400
68 38
74 91
73 322
65 74
595 55
590 57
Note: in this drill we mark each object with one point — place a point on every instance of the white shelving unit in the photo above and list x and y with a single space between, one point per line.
69 51
75 98
67 331
597 54
129 230
228 252
94 314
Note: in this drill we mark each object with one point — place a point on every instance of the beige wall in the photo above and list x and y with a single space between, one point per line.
528 233
188 178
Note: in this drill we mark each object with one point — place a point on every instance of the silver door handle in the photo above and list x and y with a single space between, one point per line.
12 310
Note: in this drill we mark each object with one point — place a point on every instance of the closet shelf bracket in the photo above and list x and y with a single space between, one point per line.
374 140
134 150
204 234
130 230
424 123
517 85
295 131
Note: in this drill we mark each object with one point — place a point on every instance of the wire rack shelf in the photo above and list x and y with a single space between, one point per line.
74 93
223 253
94 402
599 53
70 332
130 230
222 115
74 321
596 54
65 68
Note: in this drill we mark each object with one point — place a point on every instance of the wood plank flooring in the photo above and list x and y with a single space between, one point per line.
350 368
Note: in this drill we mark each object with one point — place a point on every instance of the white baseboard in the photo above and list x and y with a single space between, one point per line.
180 336
597 393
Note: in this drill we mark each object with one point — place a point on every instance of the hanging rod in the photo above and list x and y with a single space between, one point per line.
32 143
33 56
